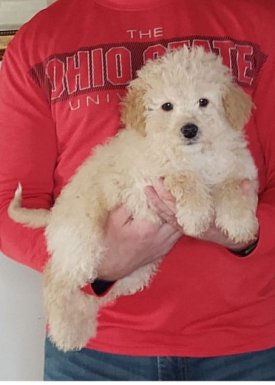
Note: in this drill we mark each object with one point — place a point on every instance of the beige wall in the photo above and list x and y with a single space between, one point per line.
14 13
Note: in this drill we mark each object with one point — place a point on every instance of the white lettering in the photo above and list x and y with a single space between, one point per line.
150 33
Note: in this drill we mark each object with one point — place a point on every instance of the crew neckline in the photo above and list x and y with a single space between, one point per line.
131 5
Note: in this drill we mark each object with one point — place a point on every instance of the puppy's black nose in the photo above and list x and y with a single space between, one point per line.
189 130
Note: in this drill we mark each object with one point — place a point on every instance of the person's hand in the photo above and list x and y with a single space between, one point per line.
133 243
165 205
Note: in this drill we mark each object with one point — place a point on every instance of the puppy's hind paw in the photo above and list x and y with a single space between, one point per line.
72 340
72 325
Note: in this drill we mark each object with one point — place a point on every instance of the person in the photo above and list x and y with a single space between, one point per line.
208 313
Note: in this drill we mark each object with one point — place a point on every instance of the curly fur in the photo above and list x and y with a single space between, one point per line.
203 173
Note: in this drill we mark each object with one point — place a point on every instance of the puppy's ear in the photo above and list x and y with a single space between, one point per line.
237 106
133 108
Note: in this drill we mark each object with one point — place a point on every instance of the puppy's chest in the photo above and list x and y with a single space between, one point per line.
213 166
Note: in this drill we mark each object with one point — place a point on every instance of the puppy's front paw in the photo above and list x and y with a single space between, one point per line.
240 226
195 220
194 203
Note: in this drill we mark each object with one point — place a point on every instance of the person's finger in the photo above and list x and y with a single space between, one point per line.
170 242
164 212
171 232
164 194
157 203
119 216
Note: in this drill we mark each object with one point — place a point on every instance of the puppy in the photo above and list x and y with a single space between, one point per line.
184 119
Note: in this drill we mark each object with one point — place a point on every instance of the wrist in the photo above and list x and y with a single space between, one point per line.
109 275
245 250
101 286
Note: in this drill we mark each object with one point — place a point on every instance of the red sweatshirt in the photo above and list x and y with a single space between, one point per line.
61 83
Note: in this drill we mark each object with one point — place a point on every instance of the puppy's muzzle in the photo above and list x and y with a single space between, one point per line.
190 130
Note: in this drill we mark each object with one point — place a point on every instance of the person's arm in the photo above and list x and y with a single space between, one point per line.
264 99
165 205
27 155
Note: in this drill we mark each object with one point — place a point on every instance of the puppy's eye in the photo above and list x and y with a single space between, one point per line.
167 106
203 102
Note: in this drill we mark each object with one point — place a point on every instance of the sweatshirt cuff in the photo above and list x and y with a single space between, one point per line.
245 251
99 287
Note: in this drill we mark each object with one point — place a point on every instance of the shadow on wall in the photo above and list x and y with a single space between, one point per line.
22 323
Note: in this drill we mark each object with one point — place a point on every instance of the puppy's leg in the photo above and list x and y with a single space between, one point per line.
77 247
235 212
136 281
193 203
72 313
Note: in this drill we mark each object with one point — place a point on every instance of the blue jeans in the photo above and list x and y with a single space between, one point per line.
90 365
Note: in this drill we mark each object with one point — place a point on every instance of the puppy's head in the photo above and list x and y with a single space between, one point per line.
187 96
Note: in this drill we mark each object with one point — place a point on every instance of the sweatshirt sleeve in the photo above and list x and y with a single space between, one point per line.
27 155
264 99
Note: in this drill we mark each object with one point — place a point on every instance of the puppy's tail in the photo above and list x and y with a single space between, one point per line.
34 218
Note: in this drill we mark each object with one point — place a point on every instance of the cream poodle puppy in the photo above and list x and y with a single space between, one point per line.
184 119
